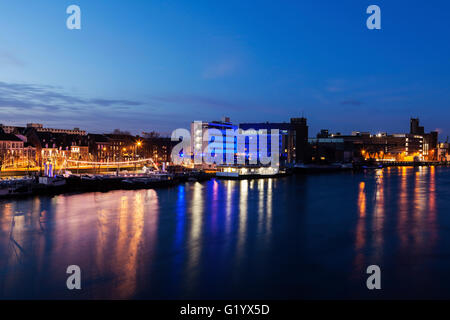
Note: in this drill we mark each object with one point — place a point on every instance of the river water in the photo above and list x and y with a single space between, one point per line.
299 237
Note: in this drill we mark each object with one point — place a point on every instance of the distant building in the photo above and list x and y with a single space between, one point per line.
330 149
58 148
293 138
214 131
123 146
299 125
416 145
40 128
323 134
430 140
11 149
443 152
15 151
159 149
100 147
286 142
415 128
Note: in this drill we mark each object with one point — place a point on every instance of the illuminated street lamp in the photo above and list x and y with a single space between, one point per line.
138 144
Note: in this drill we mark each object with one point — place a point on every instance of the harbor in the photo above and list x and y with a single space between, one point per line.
22 187
147 179
235 238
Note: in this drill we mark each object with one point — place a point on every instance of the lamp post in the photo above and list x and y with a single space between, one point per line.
138 144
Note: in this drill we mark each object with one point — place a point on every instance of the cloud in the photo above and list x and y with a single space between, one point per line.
25 102
220 69
29 96
21 103
107 103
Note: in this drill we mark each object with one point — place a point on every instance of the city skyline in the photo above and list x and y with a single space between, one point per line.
224 158
160 65
119 130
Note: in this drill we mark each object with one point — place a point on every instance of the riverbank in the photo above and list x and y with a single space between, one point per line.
21 172
20 188
83 183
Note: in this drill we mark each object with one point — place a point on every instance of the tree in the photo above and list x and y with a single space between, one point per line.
152 134
118 131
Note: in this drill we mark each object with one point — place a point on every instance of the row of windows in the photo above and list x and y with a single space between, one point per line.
16 145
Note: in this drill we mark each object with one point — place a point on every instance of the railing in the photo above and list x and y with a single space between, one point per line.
112 164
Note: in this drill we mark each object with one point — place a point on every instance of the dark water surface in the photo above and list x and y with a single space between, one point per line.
297 237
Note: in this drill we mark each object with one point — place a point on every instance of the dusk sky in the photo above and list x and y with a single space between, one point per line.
158 65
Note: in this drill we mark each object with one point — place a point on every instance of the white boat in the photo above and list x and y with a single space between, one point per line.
227 174
247 172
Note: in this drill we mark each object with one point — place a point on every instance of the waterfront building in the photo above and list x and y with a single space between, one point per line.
398 147
430 140
413 146
158 148
415 128
100 147
57 148
15 151
263 131
240 145
300 127
11 149
203 133
330 149
123 146
443 152
293 138
364 146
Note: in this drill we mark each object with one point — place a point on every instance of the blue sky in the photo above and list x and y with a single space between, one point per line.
158 65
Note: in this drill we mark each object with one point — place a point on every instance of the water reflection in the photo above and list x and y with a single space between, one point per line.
224 238
378 218
362 199
432 210
410 204
243 212
229 204
403 207
261 206
181 216
195 244
269 207
215 206
361 226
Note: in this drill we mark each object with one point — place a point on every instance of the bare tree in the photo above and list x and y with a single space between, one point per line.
118 131
152 134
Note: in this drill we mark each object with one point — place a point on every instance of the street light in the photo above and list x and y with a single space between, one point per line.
138 144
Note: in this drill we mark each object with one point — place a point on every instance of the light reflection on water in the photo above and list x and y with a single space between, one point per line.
298 237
